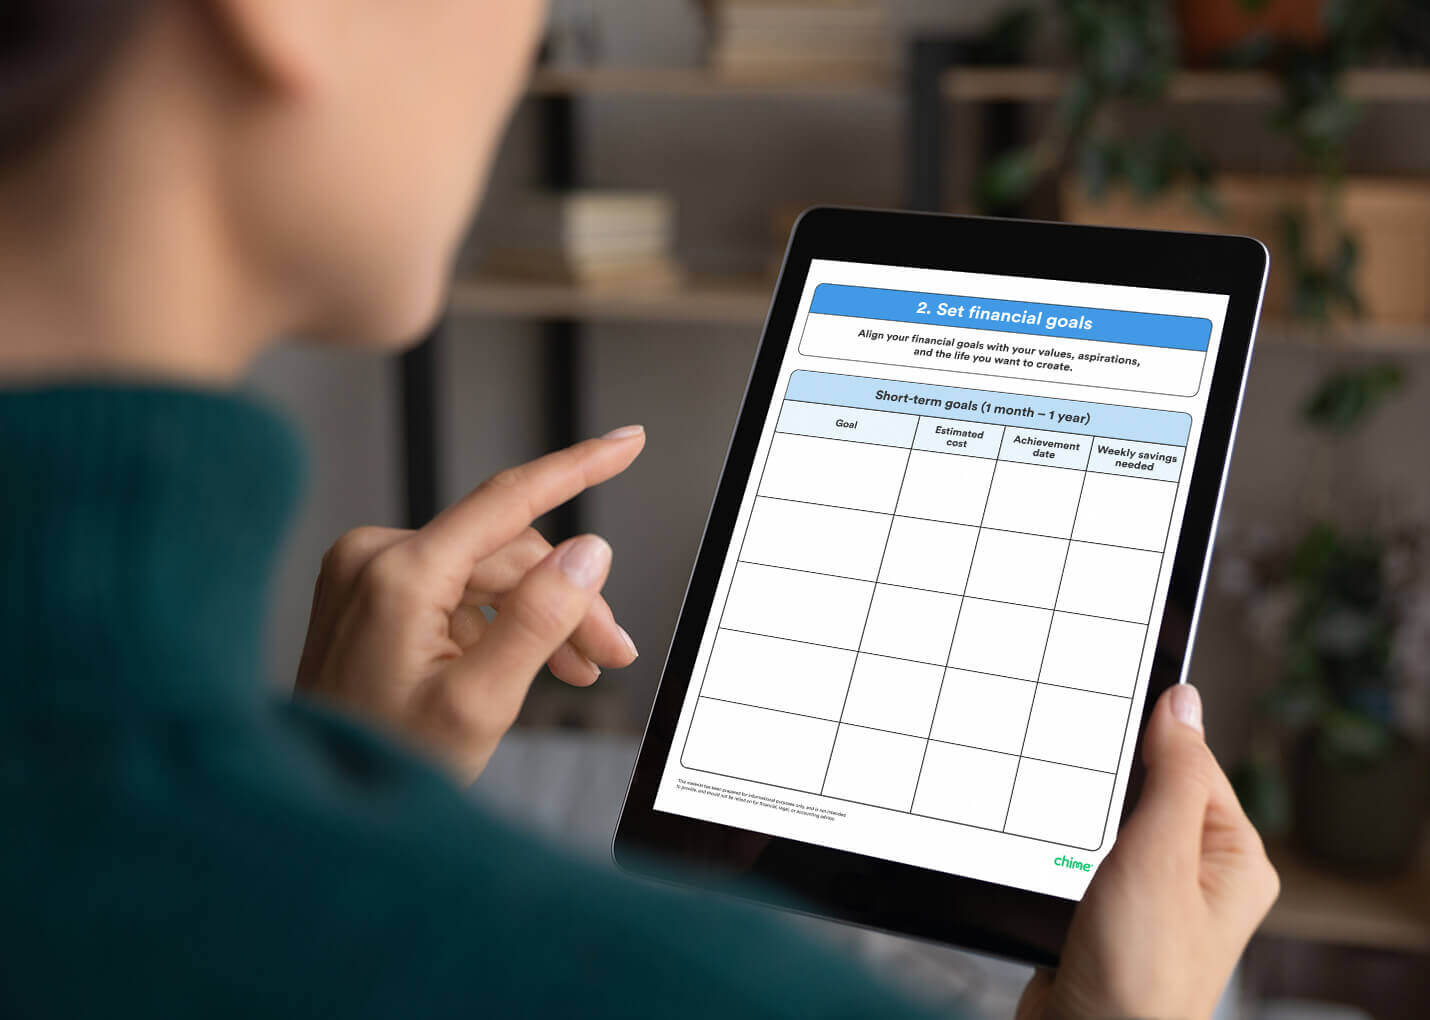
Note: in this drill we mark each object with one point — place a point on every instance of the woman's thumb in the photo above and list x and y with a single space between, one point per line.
1174 732
1185 703
1181 775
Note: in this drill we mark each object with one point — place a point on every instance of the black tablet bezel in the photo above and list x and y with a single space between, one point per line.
983 916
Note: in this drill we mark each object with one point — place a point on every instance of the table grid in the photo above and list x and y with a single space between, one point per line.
868 752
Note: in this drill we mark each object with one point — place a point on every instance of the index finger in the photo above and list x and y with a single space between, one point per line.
499 509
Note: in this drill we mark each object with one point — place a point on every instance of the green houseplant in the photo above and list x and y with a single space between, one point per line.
1345 612
1316 115
1121 57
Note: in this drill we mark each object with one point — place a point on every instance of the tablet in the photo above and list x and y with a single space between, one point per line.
957 549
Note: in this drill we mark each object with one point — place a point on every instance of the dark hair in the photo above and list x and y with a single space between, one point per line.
51 52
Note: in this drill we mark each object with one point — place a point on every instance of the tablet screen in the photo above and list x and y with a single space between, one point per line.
933 629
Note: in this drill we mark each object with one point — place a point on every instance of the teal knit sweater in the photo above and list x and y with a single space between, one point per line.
176 841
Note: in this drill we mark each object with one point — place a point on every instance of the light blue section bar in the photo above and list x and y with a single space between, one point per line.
1109 421
847 423
1138 460
1179 332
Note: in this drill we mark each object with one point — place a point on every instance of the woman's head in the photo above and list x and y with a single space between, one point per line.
332 148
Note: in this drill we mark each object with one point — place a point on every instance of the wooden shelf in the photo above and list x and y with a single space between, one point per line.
1369 336
743 301
699 81
734 301
1029 84
969 84
1319 907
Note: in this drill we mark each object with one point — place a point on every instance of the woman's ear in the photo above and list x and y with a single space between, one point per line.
287 45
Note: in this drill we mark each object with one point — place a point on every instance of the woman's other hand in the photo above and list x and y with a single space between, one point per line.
398 635
1172 907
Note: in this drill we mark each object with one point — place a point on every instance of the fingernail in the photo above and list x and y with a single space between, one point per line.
584 560
1187 706
625 432
630 645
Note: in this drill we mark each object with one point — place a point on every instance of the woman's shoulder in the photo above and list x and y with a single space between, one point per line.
541 931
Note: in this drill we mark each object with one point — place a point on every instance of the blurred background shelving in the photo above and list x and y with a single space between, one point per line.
740 298
969 84
697 82
709 300
1320 906
1023 84
743 300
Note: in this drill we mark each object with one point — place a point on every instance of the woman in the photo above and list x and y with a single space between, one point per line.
183 181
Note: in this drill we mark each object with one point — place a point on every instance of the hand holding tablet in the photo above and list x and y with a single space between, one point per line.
956 552
1160 931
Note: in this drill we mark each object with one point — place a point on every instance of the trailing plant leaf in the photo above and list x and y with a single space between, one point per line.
1148 164
1123 47
1265 795
1009 179
1346 738
1098 166
1158 160
1315 112
1337 675
1346 400
1122 50
1078 105
1297 701
1319 288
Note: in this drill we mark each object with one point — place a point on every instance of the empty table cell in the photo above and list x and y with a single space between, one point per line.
1060 804
873 767
1077 728
847 423
860 476
960 784
1010 567
908 623
1137 460
1118 510
774 673
824 539
984 711
1104 580
1032 498
892 694
928 554
1053 449
940 435
1093 654
758 744
995 637
945 487
796 605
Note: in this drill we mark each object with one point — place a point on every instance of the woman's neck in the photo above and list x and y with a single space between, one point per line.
118 257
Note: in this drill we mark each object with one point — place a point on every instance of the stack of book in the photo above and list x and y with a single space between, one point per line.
824 37
587 238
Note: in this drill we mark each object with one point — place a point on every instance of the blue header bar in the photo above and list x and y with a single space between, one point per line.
1179 332
1106 421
